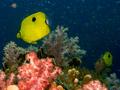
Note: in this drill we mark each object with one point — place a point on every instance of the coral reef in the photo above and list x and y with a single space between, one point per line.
63 48
87 78
54 86
11 58
75 79
113 82
69 79
4 82
38 74
34 74
14 56
94 85
54 66
12 87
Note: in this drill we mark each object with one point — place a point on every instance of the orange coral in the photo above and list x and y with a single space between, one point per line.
54 86
12 87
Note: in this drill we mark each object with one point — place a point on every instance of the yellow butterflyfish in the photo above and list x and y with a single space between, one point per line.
34 28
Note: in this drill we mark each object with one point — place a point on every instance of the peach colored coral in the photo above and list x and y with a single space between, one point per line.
94 85
12 87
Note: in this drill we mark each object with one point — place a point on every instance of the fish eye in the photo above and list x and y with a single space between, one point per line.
33 19
109 56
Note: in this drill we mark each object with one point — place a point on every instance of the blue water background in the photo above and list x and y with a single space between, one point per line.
96 22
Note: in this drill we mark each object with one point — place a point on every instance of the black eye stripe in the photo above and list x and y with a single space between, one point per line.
33 19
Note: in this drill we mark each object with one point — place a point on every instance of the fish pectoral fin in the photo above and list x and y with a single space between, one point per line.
18 35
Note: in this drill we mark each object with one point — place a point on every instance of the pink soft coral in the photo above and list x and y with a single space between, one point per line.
37 74
2 80
5 82
94 85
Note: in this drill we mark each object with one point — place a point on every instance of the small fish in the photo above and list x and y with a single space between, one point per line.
13 5
34 28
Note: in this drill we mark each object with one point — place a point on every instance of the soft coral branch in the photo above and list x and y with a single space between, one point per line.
37 74
63 48
5 82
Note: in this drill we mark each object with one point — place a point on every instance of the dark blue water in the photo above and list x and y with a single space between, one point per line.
96 22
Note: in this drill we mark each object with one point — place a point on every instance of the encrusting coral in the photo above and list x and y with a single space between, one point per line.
63 48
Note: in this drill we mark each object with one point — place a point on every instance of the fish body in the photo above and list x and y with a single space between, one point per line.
34 28
107 57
